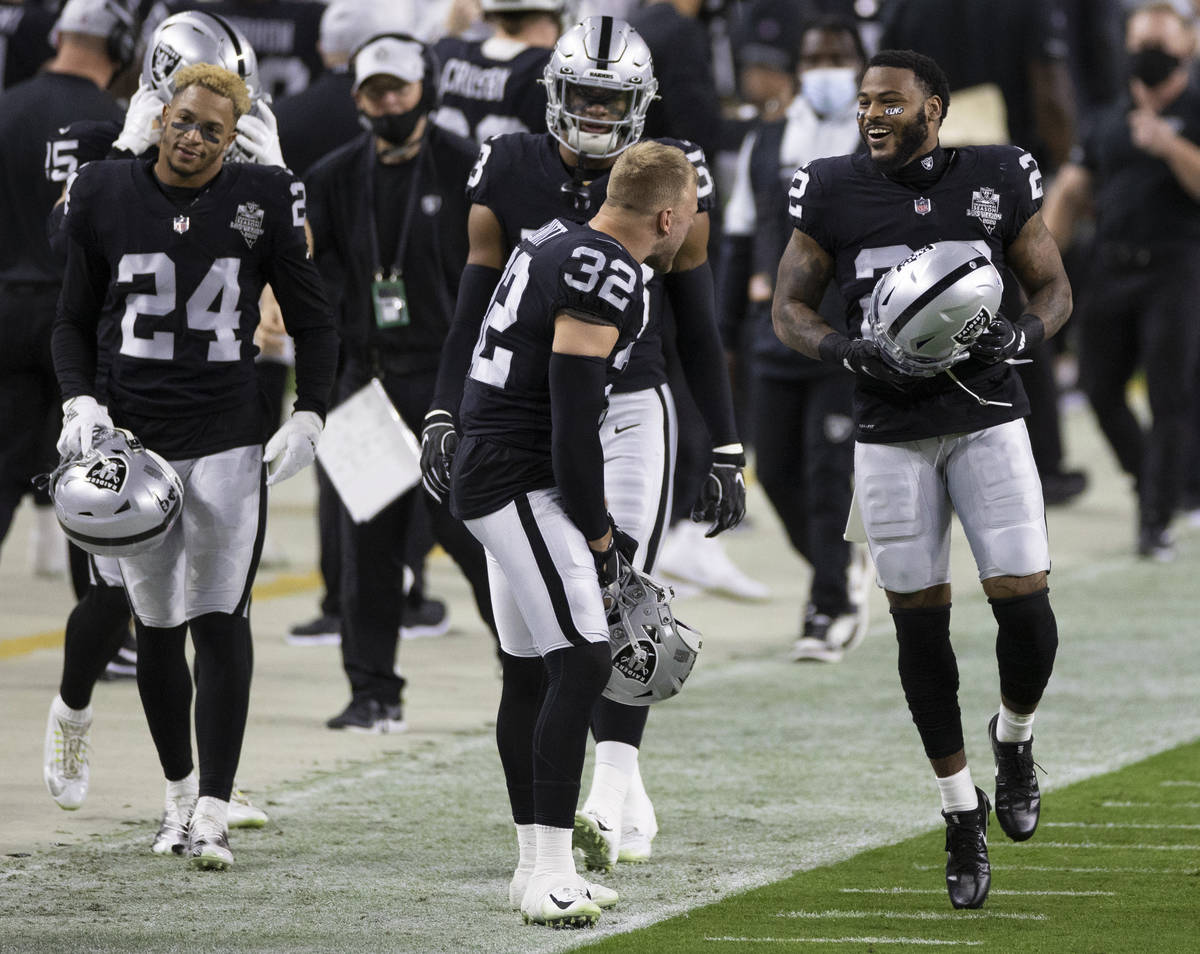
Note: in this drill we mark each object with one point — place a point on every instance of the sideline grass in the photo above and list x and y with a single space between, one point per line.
1114 867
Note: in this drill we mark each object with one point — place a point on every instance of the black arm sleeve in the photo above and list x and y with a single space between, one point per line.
474 292
692 300
73 343
56 234
576 402
732 279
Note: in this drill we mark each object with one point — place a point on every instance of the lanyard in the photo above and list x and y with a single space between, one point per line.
410 206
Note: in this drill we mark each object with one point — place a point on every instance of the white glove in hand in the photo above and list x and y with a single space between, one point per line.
293 447
258 136
81 418
143 122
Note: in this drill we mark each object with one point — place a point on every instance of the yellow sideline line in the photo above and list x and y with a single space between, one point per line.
287 584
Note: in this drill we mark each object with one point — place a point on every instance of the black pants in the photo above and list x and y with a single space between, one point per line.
804 442
30 401
1144 317
373 556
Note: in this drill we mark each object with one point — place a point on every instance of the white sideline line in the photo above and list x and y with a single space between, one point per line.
844 940
1180 783
1063 869
1089 845
1158 805
1064 894
909 915
1116 825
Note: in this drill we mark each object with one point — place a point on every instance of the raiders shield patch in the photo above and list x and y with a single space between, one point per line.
108 473
249 221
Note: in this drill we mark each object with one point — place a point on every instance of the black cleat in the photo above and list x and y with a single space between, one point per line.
1018 800
968 873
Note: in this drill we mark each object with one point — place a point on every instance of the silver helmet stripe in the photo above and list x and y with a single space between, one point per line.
242 66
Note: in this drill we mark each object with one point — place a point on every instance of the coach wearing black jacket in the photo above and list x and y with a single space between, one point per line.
389 220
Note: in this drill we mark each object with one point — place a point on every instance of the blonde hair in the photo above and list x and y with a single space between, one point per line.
216 80
649 177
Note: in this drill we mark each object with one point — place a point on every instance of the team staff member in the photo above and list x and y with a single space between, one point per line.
953 441
166 261
389 228
1139 169
529 482
94 41
801 409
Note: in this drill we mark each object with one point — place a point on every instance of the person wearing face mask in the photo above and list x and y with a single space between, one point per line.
800 409
389 221
1138 172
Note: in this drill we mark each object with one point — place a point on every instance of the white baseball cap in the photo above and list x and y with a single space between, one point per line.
391 56
347 23
91 18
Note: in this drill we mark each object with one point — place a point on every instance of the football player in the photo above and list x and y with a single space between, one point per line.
599 83
529 481
98 626
167 292
952 441
490 87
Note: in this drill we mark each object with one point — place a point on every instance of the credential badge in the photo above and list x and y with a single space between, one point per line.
249 221
985 206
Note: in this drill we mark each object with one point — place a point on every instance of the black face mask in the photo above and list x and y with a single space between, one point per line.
394 128
1152 65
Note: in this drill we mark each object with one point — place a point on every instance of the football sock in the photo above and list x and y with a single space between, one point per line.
215 808
615 763
223 665
95 630
958 791
639 811
188 785
526 847
1014 726
165 686
520 699
554 852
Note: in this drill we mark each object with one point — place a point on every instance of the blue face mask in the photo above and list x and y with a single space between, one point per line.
829 90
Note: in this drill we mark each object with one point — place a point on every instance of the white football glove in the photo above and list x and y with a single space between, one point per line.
143 122
258 137
293 447
82 416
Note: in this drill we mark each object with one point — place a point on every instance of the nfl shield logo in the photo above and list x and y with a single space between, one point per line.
181 224
923 206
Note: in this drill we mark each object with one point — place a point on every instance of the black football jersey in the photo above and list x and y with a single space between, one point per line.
483 97
562 267
24 41
868 223
521 178
88 140
171 292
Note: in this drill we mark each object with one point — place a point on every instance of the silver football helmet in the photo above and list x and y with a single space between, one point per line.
118 500
522 6
599 83
197 37
652 652
926 312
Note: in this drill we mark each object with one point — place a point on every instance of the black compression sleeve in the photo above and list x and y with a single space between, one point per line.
316 367
73 343
732 279
700 351
474 292
576 402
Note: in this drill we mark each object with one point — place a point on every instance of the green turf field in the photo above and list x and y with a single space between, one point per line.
1114 867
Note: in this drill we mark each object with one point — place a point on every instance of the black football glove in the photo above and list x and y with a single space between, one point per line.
608 566
863 357
722 501
1004 339
439 441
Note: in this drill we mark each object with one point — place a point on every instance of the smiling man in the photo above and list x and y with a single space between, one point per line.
932 441
166 261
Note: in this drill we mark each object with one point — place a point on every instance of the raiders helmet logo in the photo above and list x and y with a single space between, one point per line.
637 664
164 63
108 473
974 327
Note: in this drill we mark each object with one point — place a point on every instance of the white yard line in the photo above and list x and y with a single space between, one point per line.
1090 845
912 915
1012 891
1066 869
1136 826
845 940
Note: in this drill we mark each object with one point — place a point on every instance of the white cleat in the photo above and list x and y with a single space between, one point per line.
65 754
597 837
638 828
172 837
208 843
242 812
688 555
548 901
604 898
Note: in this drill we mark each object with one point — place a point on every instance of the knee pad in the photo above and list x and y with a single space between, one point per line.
929 675
1026 644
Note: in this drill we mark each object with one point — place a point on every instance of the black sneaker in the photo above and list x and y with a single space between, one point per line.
816 642
369 715
1063 486
1155 543
968 873
124 664
322 631
423 619
1018 801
